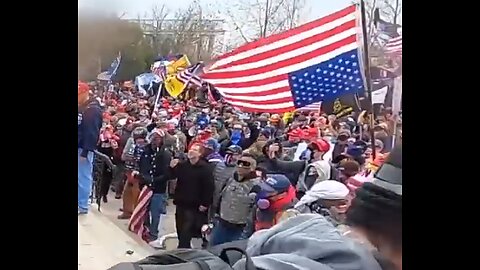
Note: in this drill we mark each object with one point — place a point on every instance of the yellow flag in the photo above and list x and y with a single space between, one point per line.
179 65
173 86
287 116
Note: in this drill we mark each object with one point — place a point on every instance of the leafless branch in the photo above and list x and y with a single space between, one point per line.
238 28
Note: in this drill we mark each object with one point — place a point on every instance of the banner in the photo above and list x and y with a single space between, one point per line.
397 96
378 96
173 86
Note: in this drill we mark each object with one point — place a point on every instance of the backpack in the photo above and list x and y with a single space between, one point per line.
187 259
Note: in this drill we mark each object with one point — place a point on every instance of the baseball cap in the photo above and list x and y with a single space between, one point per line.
278 183
321 144
355 150
234 149
212 144
266 133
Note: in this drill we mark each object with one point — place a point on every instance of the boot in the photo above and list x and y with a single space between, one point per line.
124 215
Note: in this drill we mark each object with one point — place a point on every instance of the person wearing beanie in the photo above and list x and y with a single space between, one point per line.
377 209
89 125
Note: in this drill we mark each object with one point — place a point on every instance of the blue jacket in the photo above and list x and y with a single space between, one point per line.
89 124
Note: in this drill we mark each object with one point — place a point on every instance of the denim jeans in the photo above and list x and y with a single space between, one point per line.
158 207
85 178
222 233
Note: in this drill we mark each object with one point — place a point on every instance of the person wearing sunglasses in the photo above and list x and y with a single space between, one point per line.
236 202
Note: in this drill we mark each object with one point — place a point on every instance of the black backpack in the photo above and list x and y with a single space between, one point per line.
187 259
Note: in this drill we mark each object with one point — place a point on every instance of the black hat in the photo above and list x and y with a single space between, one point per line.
389 175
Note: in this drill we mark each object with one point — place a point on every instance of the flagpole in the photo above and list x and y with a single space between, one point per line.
159 93
368 76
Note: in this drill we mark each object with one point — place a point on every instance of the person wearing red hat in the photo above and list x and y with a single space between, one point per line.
89 124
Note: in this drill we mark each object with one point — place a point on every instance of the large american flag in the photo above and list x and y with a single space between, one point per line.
394 46
313 62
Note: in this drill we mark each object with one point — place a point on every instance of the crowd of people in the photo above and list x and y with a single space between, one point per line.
232 174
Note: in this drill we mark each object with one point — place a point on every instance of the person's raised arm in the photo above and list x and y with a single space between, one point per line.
285 166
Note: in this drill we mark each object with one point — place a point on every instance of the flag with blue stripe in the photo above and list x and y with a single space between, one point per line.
109 75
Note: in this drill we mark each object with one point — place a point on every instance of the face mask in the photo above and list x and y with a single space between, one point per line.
236 136
306 155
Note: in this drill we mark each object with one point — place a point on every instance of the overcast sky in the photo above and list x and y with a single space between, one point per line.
314 8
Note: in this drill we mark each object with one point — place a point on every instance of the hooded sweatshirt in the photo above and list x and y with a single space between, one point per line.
307 241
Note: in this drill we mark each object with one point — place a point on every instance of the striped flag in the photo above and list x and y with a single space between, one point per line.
314 62
189 75
136 224
394 46
158 68
314 107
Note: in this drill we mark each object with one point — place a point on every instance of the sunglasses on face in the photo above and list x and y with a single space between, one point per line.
243 163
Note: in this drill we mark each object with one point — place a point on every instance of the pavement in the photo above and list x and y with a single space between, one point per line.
104 240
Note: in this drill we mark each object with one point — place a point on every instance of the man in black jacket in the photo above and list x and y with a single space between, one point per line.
193 194
89 124
153 171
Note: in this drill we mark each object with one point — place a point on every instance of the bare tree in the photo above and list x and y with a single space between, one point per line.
189 31
158 16
254 19
392 10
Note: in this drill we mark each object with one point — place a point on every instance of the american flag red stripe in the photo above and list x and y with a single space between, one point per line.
255 76
137 220
394 46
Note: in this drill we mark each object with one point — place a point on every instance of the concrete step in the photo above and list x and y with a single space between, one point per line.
102 244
